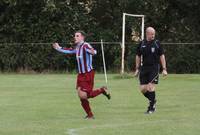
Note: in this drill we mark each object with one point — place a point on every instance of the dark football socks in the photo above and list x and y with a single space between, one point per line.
152 95
147 94
86 106
152 99
95 93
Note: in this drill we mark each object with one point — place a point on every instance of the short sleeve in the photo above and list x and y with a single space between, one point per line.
89 48
160 49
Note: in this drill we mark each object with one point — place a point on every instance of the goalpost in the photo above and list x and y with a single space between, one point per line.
123 35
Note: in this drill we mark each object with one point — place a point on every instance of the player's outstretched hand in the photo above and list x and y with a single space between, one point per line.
164 72
56 46
136 73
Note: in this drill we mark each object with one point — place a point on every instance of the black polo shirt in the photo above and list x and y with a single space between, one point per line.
150 52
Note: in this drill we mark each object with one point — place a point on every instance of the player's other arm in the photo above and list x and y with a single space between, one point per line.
137 64
90 49
162 60
163 63
63 50
138 59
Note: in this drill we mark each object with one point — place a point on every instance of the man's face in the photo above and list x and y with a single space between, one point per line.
150 35
78 37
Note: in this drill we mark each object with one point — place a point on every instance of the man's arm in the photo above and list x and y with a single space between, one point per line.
163 63
89 49
60 49
137 64
138 58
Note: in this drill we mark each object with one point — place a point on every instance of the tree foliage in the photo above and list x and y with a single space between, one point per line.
44 21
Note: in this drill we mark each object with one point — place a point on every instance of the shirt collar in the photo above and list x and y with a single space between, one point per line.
80 43
149 42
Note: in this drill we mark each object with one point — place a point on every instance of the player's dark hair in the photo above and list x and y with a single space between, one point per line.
82 32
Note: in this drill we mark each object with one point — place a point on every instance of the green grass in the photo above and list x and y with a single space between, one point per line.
48 105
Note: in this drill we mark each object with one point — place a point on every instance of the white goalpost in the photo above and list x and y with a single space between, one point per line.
104 63
123 35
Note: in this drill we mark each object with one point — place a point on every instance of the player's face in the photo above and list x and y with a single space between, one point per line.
78 37
150 35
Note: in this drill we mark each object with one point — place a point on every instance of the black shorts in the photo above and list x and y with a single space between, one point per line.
149 74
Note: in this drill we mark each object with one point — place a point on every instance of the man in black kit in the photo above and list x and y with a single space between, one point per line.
149 55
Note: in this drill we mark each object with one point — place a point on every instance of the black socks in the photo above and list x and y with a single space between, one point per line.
152 101
150 95
146 94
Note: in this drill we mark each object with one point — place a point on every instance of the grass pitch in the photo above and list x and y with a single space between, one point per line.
48 105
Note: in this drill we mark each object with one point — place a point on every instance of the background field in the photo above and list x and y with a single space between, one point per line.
48 105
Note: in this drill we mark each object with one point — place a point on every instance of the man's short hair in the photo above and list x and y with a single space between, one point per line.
82 32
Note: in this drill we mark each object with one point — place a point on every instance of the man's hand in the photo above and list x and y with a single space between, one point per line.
136 73
164 72
93 51
56 46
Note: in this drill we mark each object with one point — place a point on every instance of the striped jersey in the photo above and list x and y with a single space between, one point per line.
83 56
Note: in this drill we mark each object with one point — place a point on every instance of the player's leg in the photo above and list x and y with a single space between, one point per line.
83 95
144 90
152 98
85 103
144 83
95 92
154 76
147 88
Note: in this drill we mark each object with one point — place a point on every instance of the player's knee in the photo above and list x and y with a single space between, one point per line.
82 95
151 87
143 88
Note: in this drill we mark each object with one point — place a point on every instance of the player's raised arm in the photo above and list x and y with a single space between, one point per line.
66 50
